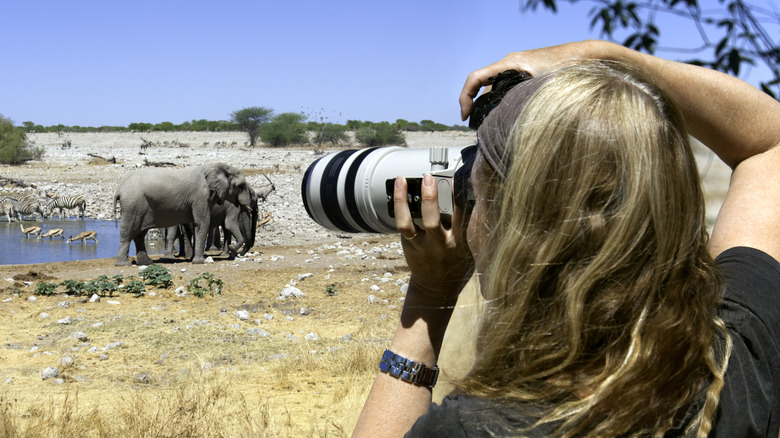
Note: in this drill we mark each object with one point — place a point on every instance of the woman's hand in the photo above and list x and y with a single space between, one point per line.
438 257
536 62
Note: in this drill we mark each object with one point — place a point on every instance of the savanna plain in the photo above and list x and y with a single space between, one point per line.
243 361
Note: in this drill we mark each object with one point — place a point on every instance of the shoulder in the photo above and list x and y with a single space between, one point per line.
752 287
750 400
465 416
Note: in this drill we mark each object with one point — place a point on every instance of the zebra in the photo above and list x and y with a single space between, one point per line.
27 206
67 202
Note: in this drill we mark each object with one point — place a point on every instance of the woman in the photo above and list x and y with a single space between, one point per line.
610 310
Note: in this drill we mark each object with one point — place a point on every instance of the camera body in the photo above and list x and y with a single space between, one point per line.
352 190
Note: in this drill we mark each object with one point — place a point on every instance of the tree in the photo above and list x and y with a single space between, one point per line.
249 120
284 129
324 130
13 144
380 134
733 34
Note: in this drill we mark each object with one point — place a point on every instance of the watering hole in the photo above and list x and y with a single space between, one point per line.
17 249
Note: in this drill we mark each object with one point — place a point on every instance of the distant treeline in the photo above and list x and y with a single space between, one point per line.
224 125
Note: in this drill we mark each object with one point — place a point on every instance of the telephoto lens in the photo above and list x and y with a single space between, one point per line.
352 190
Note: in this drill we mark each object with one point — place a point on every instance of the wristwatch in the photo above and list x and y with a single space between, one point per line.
408 370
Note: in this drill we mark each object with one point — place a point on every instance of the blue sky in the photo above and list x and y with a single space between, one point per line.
94 63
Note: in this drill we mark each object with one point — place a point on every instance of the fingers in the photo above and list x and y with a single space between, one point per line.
403 217
430 205
474 82
431 217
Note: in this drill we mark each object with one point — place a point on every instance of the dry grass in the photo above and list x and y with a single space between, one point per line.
186 367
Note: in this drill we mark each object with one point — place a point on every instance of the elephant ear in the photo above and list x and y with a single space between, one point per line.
217 178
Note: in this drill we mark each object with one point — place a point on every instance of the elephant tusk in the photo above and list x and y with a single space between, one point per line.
248 208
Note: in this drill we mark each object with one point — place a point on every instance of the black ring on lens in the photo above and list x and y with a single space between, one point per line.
305 187
349 192
329 191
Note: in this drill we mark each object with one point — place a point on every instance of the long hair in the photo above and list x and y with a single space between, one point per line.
601 293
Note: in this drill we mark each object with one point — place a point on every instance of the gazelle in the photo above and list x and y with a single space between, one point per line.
83 237
52 233
30 230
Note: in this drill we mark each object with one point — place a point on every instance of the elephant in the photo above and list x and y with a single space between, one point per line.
236 220
160 198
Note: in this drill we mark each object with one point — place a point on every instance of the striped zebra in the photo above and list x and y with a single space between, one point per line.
67 203
26 206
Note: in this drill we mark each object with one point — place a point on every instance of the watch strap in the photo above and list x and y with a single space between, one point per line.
408 370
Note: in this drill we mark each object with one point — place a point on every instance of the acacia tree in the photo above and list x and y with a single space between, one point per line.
249 120
733 34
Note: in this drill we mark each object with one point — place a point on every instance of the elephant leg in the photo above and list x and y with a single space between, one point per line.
141 257
201 230
124 247
185 240
169 235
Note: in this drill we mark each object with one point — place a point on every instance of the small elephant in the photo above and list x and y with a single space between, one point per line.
239 221
160 198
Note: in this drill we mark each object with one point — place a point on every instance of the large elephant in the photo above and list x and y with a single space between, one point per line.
160 198
239 221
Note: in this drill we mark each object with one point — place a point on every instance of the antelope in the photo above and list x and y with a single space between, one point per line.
267 217
52 233
83 237
264 191
30 230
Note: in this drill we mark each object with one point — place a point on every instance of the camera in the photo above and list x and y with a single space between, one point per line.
352 190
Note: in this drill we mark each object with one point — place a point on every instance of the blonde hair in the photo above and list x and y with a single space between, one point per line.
601 293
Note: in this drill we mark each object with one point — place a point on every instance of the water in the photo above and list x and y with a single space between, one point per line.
15 248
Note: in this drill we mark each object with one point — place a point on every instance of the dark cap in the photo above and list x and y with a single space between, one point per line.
493 133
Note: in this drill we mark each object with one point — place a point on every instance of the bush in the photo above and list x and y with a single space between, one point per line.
213 285
13 144
156 275
285 129
380 134
46 289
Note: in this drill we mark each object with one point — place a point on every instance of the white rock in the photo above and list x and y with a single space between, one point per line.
50 373
291 292
243 315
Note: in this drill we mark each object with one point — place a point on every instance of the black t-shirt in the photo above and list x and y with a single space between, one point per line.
749 402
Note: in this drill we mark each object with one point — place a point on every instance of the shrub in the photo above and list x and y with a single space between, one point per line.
285 129
213 284
46 289
156 275
380 134
135 287
74 287
13 144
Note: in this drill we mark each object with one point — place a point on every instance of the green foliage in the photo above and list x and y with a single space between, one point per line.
250 119
135 287
74 287
380 134
731 34
13 144
103 284
285 129
330 290
46 289
213 285
156 275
